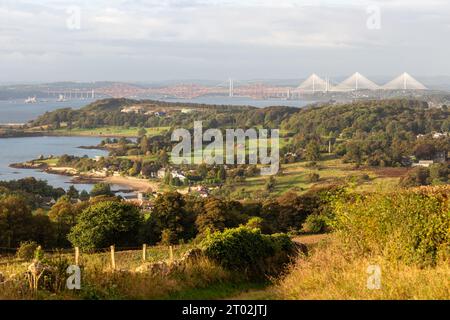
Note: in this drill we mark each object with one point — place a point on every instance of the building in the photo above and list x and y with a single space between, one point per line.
423 163
175 174
132 109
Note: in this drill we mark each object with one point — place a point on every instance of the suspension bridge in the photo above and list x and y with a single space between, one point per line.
256 89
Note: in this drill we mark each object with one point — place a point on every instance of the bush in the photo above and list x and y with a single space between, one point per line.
410 226
26 250
313 177
315 223
168 237
247 250
106 223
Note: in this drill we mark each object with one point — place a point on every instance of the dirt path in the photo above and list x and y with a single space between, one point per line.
311 239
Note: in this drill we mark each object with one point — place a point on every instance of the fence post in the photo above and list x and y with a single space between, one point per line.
171 253
113 258
144 252
77 256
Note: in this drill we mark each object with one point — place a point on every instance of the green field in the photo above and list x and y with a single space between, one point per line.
109 131
295 177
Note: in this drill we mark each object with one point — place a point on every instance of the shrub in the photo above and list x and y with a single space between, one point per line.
247 250
258 223
26 250
315 223
168 237
282 243
313 177
411 226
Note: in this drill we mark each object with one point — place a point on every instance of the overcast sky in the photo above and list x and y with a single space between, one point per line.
138 40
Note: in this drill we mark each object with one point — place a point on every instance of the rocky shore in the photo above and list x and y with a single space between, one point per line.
29 165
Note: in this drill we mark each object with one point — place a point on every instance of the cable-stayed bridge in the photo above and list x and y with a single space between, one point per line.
257 89
359 82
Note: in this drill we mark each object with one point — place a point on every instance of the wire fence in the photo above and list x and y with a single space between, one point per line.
116 258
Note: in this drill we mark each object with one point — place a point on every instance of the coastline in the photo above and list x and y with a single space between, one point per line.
27 134
131 183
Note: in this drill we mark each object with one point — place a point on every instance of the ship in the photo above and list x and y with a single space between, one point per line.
30 100
62 98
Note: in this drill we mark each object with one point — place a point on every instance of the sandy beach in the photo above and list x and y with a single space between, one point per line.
140 185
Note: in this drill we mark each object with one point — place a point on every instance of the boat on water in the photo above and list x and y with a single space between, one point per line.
62 98
31 100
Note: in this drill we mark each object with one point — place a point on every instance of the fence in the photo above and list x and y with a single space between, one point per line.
115 258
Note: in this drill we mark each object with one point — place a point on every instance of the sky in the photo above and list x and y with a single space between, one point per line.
139 40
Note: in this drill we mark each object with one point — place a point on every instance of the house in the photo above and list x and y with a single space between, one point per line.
178 175
132 109
423 163
437 135
175 174
440 156
202 191
161 173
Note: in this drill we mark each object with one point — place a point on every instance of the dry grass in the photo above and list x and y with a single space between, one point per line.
99 282
331 273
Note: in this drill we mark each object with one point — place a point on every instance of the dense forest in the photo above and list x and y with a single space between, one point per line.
109 113
385 132
376 133
25 215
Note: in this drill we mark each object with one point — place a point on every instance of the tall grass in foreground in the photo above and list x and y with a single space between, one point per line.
126 285
330 273
106 285
406 234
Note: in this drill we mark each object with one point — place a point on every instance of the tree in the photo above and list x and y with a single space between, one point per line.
106 223
218 215
313 177
43 229
84 195
101 189
163 158
15 221
144 144
270 184
169 213
168 177
63 215
424 150
136 169
439 173
141 132
221 174
415 177
73 193
213 218
312 151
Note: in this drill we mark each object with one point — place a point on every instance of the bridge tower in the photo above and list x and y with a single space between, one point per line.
231 88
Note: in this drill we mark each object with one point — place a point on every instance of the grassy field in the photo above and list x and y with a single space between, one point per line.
109 131
295 177
200 280
330 273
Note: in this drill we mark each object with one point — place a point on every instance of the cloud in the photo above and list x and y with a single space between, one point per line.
182 37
